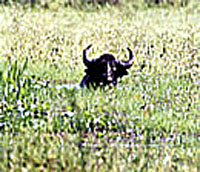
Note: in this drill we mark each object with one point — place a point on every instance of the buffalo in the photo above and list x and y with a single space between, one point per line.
105 70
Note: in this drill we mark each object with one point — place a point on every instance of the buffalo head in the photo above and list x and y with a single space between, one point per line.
104 70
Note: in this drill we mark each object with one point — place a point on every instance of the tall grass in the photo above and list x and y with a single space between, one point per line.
149 122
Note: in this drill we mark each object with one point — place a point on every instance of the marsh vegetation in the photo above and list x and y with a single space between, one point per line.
149 122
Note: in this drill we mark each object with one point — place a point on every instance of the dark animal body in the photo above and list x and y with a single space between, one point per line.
105 70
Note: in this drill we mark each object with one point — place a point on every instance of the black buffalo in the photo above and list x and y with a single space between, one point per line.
104 70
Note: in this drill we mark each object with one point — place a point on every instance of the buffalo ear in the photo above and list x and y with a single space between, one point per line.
85 60
85 81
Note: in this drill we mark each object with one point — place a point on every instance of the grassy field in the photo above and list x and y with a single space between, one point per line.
149 122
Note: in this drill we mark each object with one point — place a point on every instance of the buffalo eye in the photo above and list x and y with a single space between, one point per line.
114 68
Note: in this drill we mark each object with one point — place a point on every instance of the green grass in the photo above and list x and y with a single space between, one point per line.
149 122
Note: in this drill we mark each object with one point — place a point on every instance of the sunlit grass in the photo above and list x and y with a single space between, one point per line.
149 122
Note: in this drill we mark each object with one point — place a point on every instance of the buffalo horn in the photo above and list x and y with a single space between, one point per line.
129 63
85 60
